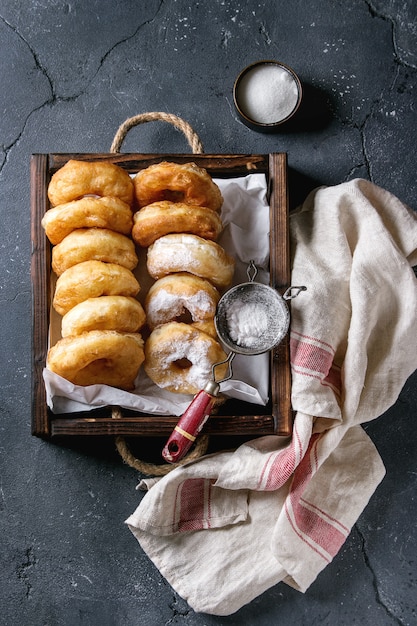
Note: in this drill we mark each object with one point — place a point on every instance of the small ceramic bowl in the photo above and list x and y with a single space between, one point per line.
266 95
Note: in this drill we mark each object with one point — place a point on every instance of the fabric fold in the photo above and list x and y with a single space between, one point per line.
329 490
227 527
191 501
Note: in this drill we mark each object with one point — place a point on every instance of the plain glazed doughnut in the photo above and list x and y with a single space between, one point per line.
161 218
92 279
192 254
121 313
179 358
89 178
176 295
176 182
87 212
96 244
98 357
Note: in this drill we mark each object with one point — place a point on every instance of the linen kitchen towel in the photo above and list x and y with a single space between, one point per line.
228 526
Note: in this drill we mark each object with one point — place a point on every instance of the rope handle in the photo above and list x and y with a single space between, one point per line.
201 445
190 134
154 469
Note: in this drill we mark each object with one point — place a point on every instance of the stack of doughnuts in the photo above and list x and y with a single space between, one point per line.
93 255
91 224
178 221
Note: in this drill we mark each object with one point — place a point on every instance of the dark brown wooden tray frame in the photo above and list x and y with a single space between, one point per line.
234 418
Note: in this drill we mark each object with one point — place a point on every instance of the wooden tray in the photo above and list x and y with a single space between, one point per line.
234 417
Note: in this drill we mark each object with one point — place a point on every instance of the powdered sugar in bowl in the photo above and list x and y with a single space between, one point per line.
266 95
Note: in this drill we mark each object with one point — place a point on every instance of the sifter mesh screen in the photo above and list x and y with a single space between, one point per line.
251 318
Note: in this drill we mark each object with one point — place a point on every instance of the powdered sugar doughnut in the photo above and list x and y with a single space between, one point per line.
192 254
177 295
176 182
207 326
179 358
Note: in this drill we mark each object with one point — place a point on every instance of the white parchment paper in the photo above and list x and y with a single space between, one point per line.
245 215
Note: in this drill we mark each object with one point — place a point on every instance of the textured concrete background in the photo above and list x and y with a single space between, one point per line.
70 73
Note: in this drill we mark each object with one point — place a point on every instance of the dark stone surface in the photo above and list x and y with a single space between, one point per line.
70 73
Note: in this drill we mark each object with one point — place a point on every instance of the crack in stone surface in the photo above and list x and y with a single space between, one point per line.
378 100
264 33
367 161
378 597
362 127
13 298
376 13
38 65
24 568
54 98
351 172
126 39
175 606
32 51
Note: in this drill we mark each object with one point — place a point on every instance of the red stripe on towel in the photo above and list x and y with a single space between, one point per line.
310 356
313 358
280 466
295 333
320 531
194 502
326 515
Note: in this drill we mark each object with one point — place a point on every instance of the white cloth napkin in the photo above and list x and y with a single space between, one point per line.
228 526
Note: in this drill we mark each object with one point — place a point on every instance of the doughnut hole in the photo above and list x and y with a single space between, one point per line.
182 364
185 317
173 195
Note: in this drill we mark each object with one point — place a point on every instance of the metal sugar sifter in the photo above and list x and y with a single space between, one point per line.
251 318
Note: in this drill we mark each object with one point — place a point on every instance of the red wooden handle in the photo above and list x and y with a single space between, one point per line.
188 427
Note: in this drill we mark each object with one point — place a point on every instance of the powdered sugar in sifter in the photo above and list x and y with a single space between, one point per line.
251 318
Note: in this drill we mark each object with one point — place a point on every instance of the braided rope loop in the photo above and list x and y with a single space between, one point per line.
153 469
191 136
